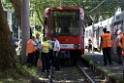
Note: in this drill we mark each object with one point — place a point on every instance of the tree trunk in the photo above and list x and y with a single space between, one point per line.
38 14
22 13
17 7
7 52
25 28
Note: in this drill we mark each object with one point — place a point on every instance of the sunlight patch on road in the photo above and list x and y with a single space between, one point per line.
44 79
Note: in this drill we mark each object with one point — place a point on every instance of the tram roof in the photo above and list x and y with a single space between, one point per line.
64 8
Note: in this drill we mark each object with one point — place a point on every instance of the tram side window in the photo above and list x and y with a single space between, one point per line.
86 34
90 33
83 30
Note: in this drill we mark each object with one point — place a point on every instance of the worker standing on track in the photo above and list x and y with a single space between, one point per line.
51 43
38 51
121 44
45 56
106 44
30 51
118 48
56 50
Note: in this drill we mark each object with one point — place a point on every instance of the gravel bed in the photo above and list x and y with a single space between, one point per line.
68 75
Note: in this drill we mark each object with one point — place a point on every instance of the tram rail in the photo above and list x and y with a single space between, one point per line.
91 75
50 75
88 74
85 74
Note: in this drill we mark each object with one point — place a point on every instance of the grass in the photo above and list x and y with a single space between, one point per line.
22 74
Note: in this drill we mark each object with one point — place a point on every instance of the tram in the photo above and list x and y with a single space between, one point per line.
67 23
112 24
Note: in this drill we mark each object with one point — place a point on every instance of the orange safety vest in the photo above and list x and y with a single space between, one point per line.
116 42
106 40
122 45
30 48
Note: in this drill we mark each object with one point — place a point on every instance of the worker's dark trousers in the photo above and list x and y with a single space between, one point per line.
56 61
30 59
45 61
36 56
51 57
119 53
107 55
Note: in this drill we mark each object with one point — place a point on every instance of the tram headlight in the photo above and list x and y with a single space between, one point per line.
76 46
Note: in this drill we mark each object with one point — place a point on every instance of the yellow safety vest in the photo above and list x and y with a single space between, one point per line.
45 47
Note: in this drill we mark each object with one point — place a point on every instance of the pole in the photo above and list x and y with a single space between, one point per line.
93 37
93 19
34 21
25 28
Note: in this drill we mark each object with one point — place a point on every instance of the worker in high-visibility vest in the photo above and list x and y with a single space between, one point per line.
30 50
121 44
118 48
51 43
38 50
106 44
45 56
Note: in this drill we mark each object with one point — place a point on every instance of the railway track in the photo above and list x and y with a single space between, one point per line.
66 75
50 76
90 75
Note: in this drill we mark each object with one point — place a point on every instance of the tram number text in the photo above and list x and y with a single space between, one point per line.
64 45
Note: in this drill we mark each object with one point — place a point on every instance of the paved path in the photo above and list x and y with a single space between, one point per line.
98 58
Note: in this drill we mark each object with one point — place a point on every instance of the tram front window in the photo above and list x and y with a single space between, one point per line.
64 23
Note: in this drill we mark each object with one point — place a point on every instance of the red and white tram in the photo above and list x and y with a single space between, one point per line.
68 24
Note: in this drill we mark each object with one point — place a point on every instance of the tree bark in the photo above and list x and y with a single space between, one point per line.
7 52
25 28
17 7
22 13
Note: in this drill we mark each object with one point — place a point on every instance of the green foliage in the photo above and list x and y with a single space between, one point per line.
7 5
21 74
106 8
34 20
88 59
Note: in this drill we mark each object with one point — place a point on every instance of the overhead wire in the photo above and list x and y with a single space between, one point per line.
97 6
